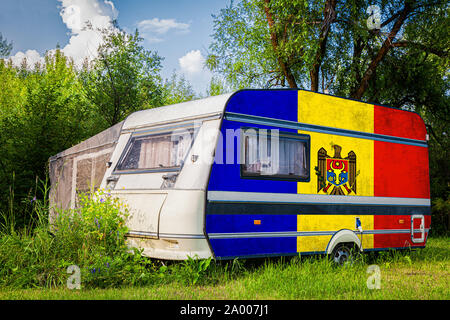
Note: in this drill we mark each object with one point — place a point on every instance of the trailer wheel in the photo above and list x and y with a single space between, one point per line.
342 254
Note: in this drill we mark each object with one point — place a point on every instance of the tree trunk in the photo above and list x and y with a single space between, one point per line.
387 44
274 39
329 15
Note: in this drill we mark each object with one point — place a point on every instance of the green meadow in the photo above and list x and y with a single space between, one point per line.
410 274
83 254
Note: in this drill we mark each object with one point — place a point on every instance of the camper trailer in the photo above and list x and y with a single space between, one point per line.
260 173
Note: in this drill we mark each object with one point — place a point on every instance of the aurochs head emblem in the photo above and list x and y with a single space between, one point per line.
336 175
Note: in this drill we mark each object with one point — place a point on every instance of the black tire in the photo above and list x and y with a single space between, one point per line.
342 254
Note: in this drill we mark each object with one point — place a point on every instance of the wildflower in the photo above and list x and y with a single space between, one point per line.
34 199
102 200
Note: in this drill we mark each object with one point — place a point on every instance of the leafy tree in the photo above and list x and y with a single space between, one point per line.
217 86
414 76
320 44
123 78
177 89
5 47
42 112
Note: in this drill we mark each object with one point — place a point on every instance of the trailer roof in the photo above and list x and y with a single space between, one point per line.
180 111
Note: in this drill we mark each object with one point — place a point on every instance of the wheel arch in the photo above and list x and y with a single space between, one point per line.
343 236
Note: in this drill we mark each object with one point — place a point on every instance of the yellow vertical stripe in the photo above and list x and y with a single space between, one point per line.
363 149
312 243
329 111
331 223
324 110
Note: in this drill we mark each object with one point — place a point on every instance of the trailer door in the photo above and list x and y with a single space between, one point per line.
144 208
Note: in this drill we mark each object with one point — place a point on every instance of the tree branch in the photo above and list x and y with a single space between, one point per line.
115 116
274 39
329 16
433 134
387 44
405 43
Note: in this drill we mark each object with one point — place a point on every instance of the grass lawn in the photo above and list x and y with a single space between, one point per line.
413 275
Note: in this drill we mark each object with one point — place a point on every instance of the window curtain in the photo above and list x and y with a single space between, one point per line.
180 148
155 153
269 152
165 151
274 155
252 162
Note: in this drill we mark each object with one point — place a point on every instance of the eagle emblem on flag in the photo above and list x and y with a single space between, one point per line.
336 175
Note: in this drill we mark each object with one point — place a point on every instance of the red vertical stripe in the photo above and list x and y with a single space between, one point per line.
399 123
401 171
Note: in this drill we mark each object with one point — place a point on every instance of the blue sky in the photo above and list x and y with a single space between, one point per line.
176 29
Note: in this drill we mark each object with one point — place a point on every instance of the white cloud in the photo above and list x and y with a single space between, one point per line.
83 43
192 66
75 13
192 62
32 57
162 26
153 29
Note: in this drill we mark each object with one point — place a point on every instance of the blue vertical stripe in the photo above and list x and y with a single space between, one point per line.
279 104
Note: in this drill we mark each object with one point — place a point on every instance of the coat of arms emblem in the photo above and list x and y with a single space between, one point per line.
336 175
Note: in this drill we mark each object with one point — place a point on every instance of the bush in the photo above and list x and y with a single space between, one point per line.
91 237
440 216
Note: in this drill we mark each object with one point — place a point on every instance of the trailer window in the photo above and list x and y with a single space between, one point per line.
159 152
274 155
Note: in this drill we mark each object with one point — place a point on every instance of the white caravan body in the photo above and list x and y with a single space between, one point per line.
166 204
167 220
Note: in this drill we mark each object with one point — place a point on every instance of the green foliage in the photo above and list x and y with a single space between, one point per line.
259 43
5 47
240 51
99 218
42 111
91 237
194 269
49 107
124 77
251 51
440 217
177 89
217 86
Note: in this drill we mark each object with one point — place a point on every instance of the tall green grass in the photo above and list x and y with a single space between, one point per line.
92 237
410 274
